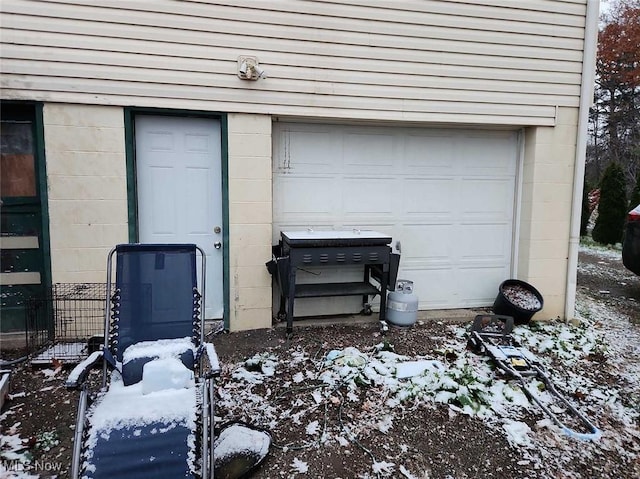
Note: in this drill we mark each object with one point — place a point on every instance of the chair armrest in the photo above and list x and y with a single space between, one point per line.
212 356
79 373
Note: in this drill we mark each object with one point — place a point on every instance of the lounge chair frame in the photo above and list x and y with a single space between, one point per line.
204 380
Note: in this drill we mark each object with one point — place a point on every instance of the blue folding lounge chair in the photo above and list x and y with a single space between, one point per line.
153 416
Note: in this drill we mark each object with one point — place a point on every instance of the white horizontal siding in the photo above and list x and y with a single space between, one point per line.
354 27
433 93
372 72
324 58
536 12
467 62
363 33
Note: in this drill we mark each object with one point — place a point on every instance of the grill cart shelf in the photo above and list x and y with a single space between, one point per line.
300 249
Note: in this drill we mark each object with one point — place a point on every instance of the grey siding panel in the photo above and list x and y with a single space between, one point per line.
494 62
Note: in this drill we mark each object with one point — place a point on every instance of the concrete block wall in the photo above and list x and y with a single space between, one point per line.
250 218
87 188
86 175
86 170
547 192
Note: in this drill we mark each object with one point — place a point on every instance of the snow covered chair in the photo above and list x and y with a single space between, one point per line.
153 416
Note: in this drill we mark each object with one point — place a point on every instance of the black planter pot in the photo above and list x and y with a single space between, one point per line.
502 305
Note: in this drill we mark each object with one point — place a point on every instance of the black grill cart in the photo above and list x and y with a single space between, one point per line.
302 249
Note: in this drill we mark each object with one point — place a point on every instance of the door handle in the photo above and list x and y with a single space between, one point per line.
217 245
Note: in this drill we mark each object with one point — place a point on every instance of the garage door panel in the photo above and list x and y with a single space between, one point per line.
479 286
313 307
486 198
309 152
436 287
312 198
372 197
387 227
328 306
487 156
428 197
369 153
484 243
428 155
427 244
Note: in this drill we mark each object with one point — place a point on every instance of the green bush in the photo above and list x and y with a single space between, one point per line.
612 209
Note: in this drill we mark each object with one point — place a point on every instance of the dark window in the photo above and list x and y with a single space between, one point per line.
17 161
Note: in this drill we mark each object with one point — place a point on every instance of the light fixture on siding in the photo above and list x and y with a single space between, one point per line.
249 68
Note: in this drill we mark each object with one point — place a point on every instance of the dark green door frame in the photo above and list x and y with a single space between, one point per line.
37 206
130 115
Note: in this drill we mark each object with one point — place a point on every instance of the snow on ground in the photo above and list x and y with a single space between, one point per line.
308 382
576 356
610 252
468 385
14 457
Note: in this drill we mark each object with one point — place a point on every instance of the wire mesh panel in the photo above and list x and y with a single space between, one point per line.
78 310
39 323
68 315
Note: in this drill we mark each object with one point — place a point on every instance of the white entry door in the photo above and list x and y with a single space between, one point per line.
179 186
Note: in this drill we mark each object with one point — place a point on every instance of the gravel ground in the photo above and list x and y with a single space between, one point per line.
332 419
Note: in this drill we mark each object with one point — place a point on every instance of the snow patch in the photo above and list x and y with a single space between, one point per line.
238 439
127 407
161 349
168 373
383 467
312 428
299 466
517 433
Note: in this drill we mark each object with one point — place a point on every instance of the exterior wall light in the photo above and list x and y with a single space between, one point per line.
249 68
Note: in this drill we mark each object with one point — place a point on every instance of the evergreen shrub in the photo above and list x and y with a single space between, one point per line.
613 206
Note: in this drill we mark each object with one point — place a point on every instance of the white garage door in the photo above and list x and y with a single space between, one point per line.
445 196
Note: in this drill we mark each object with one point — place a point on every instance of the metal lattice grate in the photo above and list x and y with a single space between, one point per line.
71 312
78 310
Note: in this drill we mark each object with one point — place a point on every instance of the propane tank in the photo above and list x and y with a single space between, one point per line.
402 304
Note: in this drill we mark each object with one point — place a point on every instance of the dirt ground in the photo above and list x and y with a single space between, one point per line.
425 440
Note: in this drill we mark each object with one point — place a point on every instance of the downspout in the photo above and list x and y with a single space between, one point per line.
586 100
